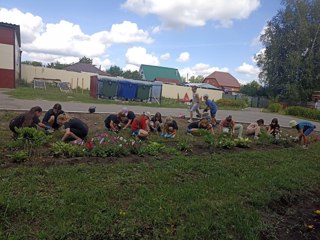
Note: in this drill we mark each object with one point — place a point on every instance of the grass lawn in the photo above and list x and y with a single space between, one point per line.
53 93
223 196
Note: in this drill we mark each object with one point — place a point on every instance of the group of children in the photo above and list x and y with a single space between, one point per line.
228 125
142 125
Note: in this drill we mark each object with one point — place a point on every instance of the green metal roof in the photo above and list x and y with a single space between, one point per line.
150 73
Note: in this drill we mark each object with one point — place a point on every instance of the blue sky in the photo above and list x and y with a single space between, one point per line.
196 36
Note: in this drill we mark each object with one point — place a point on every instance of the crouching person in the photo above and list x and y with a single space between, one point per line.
229 126
204 123
170 128
304 130
140 125
75 129
255 128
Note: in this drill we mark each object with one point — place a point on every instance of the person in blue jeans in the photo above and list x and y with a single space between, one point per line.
212 107
304 130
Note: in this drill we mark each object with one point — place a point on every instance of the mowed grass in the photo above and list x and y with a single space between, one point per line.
220 196
53 93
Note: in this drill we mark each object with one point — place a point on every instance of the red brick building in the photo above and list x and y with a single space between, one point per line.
10 55
223 80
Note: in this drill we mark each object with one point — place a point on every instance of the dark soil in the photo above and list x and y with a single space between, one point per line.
294 217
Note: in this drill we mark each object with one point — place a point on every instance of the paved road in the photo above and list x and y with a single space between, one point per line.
245 116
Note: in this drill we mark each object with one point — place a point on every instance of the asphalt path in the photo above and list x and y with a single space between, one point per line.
247 115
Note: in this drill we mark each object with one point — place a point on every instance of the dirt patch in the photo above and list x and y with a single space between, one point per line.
294 216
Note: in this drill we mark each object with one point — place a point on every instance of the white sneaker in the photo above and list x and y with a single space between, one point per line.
190 120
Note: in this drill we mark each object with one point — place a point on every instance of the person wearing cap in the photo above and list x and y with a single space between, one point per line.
255 128
195 104
140 125
304 129
128 119
50 118
229 126
212 107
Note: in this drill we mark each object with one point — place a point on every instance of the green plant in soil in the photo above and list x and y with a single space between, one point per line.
152 149
62 149
225 141
242 142
184 146
31 139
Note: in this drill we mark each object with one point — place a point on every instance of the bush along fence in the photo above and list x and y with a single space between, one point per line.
303 112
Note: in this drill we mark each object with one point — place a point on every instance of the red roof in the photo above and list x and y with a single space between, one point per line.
224 79
168 80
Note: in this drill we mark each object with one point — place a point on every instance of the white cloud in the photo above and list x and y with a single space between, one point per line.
181 13
200 69
248 69
138 55
256 40
156 29
183 57
126 32
30 26
65 41
165 56
131 67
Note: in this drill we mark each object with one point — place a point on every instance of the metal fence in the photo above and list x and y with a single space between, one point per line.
255 102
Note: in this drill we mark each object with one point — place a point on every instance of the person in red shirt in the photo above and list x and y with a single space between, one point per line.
140 125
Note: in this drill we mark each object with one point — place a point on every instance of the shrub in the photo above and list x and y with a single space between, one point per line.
61 149
31 139
242 142
275 107
225 141
152 149
184 146
303 112
231 103
19 156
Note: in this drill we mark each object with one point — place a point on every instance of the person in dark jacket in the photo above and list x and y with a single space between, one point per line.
75 129
50 118
112 122
28 119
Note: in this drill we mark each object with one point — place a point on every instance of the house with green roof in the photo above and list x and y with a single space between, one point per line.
163 74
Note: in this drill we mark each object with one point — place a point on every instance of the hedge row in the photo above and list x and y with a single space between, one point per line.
231 103
303 112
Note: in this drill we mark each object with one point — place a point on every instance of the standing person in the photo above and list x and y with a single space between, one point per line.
50 118
28 119
128 119
112 122
212 107
140 125
229 126
156 122
75 129
304 129
255 128
195 104
274 128
170 128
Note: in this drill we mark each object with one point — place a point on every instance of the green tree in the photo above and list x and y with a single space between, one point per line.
57 65
251 89
197 79
84 59
290 64
132 75
33 63
115 71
